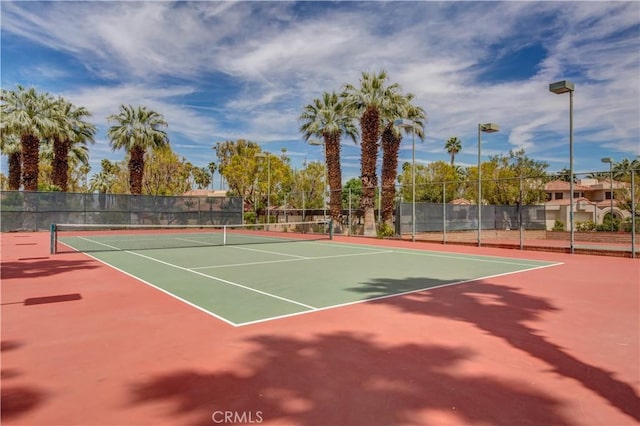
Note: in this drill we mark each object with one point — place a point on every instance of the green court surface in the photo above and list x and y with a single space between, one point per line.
245 284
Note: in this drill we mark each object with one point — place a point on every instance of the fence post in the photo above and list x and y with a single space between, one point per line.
633 215
349 216
444 212
520 217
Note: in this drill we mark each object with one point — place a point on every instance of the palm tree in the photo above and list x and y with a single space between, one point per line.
401 107
599 175
622 170
77 155
367 102
453 146
83 172
10 146
137 129
71 129
27 113
327 118
102 182
201 176
212 168
564 175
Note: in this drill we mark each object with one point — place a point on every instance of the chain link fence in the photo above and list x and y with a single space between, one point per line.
533 213
34 211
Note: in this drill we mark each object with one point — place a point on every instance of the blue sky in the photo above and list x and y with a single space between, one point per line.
228 70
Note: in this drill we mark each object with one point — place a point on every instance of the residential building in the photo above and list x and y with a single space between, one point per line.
592 201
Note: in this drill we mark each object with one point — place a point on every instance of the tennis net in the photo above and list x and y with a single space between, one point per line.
67 237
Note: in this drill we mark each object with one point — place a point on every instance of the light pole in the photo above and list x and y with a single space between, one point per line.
560 87
486 128
380 191
406 124
268 156
316 142
610 161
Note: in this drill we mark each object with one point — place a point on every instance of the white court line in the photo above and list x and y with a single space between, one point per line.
270 252
316 309
387 296
417 253
200 308
375 250
289 260
207 276
471 257
203 243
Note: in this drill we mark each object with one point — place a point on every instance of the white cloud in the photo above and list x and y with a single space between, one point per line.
279 56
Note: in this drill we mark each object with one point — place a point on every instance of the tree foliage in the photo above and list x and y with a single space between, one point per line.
501 179
10 146
166 173
368 102
453 146
431 180
71 133
136 130
28 114
351 194
328 118
201 176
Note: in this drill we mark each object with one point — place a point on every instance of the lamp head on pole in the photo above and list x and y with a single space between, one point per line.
404 123
489 127
563 86
315 142
606 160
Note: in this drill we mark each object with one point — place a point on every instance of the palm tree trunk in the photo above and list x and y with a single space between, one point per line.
369 123
332 145
136 170
15 171
30 162
390 149
60 163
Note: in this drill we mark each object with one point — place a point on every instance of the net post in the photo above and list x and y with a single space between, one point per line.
331 229
53 239
224 235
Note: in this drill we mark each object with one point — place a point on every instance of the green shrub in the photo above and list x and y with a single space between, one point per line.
385 230
626 225
608 224
587 225
250 217
558 225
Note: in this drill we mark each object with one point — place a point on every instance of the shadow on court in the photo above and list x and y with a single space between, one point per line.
348 378
345 378
504 312
16 399
43 267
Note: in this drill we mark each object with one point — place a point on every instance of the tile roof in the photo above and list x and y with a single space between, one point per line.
560 185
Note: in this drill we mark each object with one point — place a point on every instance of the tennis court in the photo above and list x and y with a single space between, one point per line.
328 331
248 274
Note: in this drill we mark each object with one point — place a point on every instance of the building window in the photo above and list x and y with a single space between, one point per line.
608 195
558 196
548 196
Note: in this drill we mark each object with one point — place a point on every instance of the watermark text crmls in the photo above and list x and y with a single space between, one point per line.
237 417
